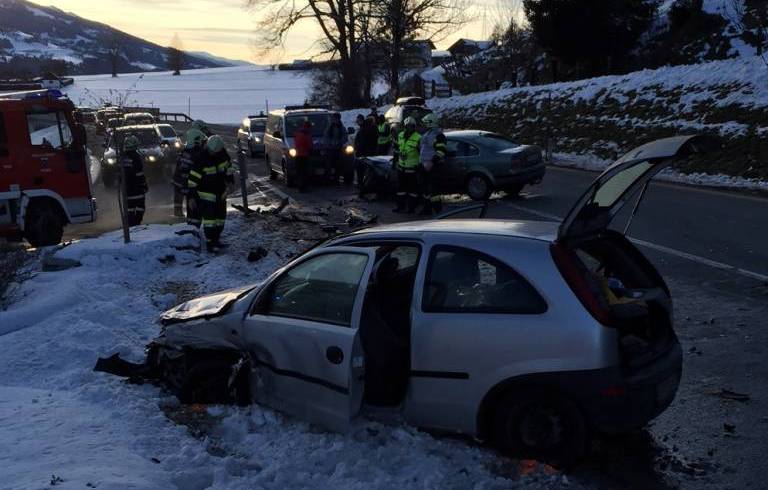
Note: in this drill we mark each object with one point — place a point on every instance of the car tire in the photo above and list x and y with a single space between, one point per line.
289 180
542 425
268 163
514 190
43 223
479 188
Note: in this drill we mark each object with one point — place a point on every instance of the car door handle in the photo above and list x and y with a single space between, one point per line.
334 354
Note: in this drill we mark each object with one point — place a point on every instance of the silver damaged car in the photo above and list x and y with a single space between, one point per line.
532 335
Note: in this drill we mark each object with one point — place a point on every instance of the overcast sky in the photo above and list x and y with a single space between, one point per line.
224 27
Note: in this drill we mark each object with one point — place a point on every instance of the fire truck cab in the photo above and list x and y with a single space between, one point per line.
45 182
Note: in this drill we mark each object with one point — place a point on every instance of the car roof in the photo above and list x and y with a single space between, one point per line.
466 133
535 230
298 112
138 114
134 127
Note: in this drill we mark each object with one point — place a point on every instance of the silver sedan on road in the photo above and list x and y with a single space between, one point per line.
527 334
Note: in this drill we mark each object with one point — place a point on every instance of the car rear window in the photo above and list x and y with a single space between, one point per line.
258 126
497 142
461 280
415 111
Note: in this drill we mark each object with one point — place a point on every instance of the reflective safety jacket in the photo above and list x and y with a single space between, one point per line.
408 151
209 180
190 158
432 148
135 181
385 134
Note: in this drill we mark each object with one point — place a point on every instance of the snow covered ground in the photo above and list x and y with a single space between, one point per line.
63 424
217 95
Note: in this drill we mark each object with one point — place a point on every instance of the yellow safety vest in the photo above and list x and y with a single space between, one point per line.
408 150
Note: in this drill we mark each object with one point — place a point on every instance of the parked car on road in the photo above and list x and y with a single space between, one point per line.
279 153
528 334
169 139
478 163
157 162
250 134
138 119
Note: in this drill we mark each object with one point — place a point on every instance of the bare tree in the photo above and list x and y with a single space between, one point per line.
399 23
338 21
176 55
114 52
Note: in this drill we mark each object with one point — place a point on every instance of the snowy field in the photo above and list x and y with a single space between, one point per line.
62 423
217 95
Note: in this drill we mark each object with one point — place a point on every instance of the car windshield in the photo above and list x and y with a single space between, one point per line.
497 142
258 126
147 137
415 111
319 123
167 131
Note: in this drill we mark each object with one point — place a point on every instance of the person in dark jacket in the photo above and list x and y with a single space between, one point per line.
302 143
334 140
192 156
135 182
384 139
208 182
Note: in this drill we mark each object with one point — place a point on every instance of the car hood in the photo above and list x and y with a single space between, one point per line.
209 306
152 150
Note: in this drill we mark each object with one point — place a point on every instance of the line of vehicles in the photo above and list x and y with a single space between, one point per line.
478 163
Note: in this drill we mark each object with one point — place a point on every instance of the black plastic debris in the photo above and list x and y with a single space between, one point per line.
257 254
731 395
167 259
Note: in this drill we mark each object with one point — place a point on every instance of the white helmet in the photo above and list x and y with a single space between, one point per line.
430 121
410 121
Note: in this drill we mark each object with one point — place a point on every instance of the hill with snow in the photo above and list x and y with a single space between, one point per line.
33 38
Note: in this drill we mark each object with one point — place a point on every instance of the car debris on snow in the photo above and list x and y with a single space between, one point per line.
731 395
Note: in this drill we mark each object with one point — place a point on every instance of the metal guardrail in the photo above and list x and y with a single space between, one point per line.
174 117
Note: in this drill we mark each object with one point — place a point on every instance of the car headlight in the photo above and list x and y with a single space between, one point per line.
177 145
152 158
256 139
349 150
292 152
111 161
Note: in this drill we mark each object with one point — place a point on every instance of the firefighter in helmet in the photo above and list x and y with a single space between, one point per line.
201 126
194 155
406 160
432 150
135 185
209 184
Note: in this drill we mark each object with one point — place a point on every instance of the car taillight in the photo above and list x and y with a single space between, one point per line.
566 264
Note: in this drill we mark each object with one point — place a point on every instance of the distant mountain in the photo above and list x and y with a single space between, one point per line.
218 59
34 39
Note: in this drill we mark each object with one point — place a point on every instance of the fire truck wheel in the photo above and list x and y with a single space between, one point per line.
43 223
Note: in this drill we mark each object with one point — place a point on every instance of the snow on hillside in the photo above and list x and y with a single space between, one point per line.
217 95
61 422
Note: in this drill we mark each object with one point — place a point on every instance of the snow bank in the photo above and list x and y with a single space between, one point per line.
62 422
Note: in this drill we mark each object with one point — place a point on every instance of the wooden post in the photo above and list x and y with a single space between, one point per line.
243 178
122 196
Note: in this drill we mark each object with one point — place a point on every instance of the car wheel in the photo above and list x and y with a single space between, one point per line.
479 187
514 190
541 425
270 171
289 180
43 223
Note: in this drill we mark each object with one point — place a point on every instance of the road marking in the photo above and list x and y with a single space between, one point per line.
661 248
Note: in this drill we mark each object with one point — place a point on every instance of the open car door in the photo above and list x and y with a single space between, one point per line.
608 194
302 333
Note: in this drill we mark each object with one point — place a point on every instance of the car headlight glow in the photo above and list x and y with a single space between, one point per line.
256 139
292 152
111 161
152 158
177 145
349 150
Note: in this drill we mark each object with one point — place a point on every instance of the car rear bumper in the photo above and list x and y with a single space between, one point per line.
526 176
619 401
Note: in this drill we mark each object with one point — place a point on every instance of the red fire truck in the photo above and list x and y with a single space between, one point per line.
44 175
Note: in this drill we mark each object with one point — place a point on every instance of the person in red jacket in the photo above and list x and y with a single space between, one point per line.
302 143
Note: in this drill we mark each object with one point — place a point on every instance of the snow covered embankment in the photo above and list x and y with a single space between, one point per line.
62 422
591 122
